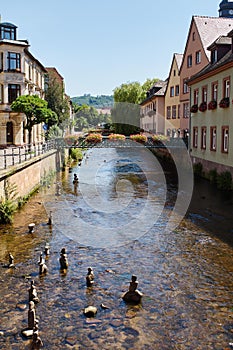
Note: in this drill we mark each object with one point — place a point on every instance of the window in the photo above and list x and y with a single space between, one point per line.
195 96
195 137
13 92
168 112
185 86
172 91
215 91
203 137
174 72
1 61
185 110
8 33
214 56
13 61
178 111
189 61
225 139
213 138
226 87
198 57
204 94
174 112
177 90
1 93
194 36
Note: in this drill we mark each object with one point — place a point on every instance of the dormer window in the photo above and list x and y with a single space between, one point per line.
8 31
214 56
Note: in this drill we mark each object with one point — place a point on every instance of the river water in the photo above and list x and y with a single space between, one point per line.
185 273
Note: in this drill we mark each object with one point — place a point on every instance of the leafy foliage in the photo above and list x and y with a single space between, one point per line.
138 138
88 117
57 102
224 181
94 101
94 138
8 205
126 111
35 109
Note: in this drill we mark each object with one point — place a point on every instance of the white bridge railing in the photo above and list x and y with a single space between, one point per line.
10 156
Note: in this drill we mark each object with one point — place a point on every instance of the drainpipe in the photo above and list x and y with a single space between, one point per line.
189 139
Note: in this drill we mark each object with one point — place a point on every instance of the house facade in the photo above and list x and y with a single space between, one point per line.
20 74
172 99
211 124
152 119
202 32
53 75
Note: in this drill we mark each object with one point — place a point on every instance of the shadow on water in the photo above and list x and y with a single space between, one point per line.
212 210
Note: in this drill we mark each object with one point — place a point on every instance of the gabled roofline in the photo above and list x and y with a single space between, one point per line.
189 32
35 60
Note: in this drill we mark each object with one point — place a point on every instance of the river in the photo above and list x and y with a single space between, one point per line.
115 220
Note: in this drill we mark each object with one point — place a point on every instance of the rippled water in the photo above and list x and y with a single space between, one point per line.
185 275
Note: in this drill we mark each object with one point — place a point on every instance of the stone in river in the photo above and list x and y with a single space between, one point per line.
90 311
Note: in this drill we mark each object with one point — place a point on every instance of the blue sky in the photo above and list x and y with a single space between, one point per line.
97 45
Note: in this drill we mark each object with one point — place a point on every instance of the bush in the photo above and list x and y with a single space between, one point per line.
198 168
213 175
76 153
138 138
224 181
159 138
94 138
71 140
7 209
116 137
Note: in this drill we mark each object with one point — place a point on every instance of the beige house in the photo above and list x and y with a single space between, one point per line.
172 98
202 32
212 109
152 109
20 74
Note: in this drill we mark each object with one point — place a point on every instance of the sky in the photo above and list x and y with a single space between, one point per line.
96 45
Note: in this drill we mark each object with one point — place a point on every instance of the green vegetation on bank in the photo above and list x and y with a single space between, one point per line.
102 101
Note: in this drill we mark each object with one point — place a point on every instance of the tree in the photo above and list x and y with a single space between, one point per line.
36 111
57 102
126 110
86 116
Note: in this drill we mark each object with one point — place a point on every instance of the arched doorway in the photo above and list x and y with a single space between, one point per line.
9 133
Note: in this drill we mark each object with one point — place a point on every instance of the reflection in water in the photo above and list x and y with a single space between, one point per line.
185 275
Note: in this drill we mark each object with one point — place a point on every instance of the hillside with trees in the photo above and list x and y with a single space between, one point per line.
101 101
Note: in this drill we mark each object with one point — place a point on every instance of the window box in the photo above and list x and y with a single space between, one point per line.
203 107
194 108
224 103
212 105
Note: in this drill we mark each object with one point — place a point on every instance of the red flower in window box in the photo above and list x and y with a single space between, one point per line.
212 105
194 109
225 102
203 107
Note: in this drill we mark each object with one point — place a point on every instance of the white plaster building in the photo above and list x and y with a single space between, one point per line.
20 74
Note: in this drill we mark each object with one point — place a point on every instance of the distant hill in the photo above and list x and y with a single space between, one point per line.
101 101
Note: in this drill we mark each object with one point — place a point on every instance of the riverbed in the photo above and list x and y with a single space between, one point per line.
185 274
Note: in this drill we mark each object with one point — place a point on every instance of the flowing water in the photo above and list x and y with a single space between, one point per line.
185 274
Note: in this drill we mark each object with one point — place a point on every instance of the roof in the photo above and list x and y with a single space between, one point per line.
7 24
179 59
54 71
210 28
34 59
213 66
159 93
222 40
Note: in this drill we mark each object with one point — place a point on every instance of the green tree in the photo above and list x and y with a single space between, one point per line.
147 85
57 102
35 109
126 110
